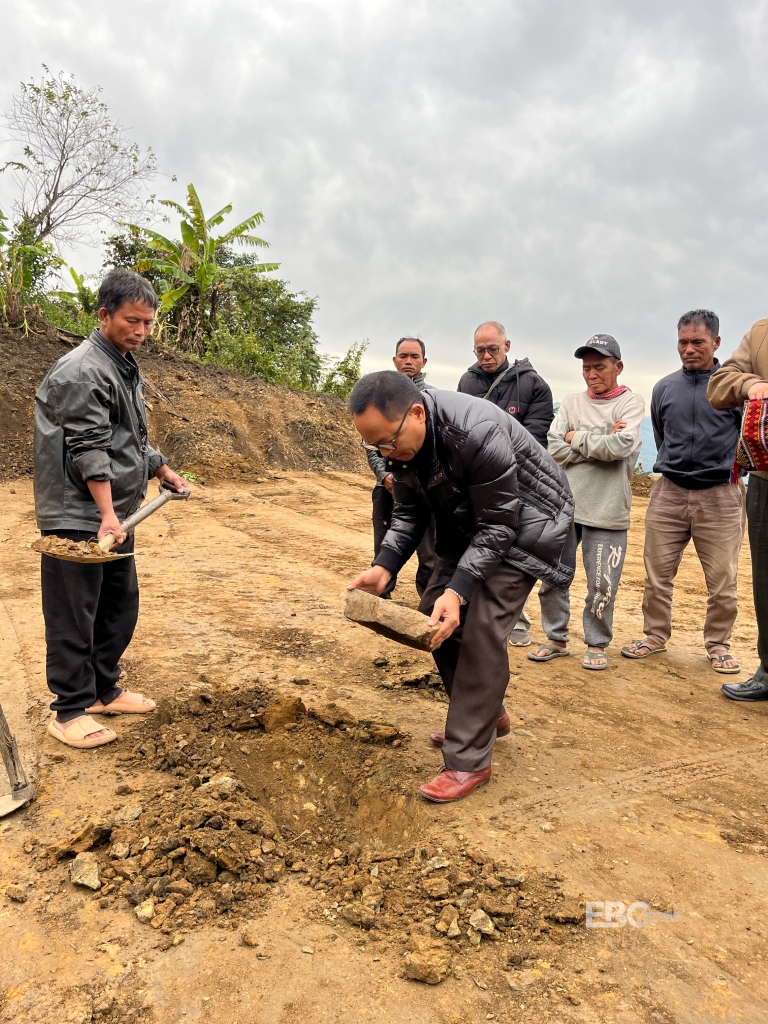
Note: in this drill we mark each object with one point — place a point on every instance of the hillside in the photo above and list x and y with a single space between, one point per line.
206 420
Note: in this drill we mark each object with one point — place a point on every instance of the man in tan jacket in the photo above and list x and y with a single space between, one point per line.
743 376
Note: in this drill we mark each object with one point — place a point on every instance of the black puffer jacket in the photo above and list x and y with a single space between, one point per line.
520 391
495 493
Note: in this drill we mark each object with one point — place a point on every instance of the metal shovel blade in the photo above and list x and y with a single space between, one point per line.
15 801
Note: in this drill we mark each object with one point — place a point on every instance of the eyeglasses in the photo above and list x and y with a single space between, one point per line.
387 446
492 350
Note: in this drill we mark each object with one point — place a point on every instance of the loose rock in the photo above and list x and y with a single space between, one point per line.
84 870
428 960
146 910
15 893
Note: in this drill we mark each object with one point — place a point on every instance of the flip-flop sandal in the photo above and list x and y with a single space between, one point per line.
633 650
126 704
554 652
716 661
79 733
591 659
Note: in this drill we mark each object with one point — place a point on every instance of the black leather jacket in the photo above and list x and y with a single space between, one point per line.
90 424
495 493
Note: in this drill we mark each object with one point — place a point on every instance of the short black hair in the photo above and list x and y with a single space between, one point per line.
388 391
418 342
710 320
121 286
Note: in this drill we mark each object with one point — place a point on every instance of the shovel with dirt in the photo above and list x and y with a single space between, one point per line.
92 551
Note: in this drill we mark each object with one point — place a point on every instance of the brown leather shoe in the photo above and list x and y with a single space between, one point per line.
450 785
503 727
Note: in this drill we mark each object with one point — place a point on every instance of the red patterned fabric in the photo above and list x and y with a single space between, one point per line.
752 449
608 395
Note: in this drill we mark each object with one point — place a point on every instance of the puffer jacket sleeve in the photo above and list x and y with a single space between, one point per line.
82 411
378 464
540 412
411 516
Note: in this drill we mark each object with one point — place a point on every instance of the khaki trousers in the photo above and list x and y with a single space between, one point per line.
714 520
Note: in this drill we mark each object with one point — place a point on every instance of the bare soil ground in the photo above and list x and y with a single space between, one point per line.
271 798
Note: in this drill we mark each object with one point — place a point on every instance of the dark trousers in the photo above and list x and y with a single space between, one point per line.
757 521
473 662
383 504
90 613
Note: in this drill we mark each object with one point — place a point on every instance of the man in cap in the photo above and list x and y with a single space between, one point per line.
410 358
595 437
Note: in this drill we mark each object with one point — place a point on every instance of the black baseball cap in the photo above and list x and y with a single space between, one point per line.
605 344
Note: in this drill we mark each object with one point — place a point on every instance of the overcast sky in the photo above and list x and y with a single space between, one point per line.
565 168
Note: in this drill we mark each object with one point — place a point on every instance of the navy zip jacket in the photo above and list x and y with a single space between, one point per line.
696 443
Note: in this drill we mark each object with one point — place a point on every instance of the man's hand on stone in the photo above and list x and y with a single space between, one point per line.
168 476
372 581
758 390
388 482
110 524
446 608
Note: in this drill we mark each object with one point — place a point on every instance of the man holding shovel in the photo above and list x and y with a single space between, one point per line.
503 512
92 465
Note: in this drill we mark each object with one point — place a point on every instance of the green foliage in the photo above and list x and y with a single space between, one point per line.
341 375
85 296
17 261
67 314
191 280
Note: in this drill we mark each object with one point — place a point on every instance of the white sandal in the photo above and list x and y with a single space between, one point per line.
80 732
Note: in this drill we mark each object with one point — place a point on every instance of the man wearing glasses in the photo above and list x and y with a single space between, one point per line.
518 390
410 358
503 511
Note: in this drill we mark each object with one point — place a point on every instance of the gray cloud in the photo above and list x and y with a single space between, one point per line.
564 168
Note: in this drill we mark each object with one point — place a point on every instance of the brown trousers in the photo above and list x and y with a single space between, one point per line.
473 662
714 520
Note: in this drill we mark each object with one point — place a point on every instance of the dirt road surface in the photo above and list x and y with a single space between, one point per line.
640 784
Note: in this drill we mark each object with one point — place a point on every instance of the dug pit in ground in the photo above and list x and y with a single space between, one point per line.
300 801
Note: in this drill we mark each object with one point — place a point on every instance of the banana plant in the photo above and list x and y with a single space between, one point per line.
86 296
192 279
16 275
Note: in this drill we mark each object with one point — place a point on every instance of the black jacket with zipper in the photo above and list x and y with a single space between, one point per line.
518 390
696 443
496 495
90 424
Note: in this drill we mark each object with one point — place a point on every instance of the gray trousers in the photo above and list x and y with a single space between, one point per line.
473 662
603 553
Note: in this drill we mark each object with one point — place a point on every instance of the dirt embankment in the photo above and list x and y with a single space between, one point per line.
206 420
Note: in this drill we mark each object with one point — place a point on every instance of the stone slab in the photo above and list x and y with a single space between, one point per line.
404 625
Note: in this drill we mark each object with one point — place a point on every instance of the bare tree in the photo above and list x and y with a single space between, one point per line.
78 167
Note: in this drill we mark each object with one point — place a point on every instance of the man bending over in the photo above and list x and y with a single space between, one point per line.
503 511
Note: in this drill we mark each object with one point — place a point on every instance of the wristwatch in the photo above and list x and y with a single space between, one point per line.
462 600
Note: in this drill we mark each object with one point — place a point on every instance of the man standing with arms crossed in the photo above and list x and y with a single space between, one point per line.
693 499
743 376
518 390
503 510
92 465
596 439
410 358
